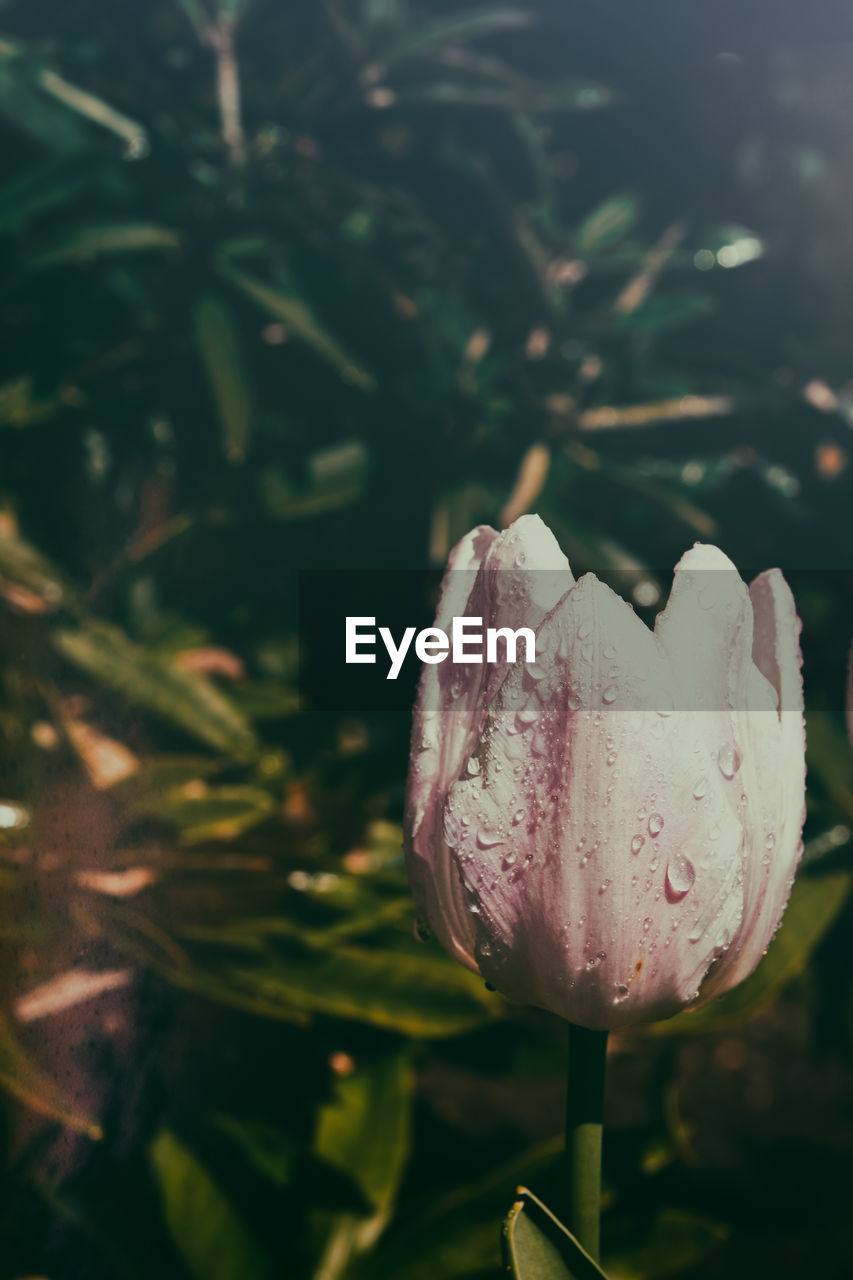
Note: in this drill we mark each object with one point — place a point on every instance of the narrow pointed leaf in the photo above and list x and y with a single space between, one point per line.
206 1230
295 313
538 1247
606 224
106 239
148 680
218 343
20 1077
460 26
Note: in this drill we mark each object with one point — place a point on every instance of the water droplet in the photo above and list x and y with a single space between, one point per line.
647 924
536 671
517 817
637 843
587 651
585 630
488 839
696 931
593 961
473 766
621 993
604 886
609 651
655 825
474 909
508 859
729 760
611 693
521 560
611 757
680 877
700 788
770 841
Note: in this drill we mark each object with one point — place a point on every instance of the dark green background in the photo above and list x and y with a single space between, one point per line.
305 343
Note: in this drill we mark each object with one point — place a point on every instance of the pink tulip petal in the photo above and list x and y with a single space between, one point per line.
578 906
501 578
612 830
776 781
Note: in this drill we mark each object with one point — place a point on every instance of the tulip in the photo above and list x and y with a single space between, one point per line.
610 832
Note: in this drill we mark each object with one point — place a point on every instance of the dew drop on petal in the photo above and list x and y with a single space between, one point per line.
647 924
611 693
517 817
680 877
637 843
488 839
700 788
655 824
729 760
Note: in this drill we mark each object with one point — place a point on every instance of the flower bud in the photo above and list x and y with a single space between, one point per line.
611 831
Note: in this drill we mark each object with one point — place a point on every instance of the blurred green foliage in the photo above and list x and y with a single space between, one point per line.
291 286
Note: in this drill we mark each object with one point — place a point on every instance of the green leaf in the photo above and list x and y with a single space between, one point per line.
269 1150
28 109
607 224
20 406
105 239
41 187
296 314
28 580
538 1247
415 994
149 681
218 342
365 1132
93 108
569 95
665 311
816 901
208 1233
477 22
456 1235
220 813
336 477
21 1078
266 699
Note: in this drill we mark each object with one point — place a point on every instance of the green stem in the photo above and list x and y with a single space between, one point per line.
584 1107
